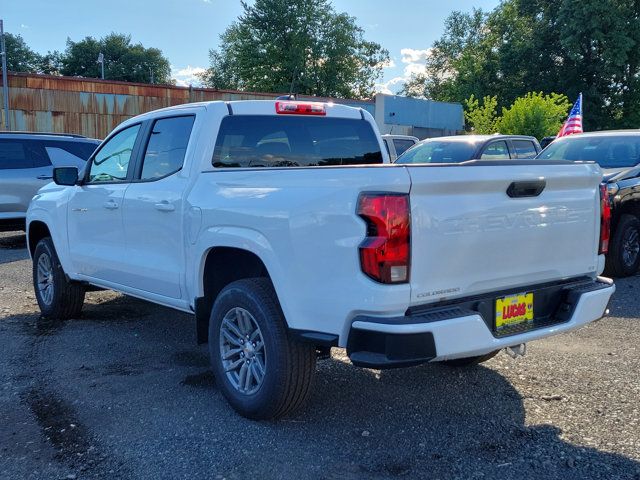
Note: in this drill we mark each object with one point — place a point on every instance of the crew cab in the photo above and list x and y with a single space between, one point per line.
284 229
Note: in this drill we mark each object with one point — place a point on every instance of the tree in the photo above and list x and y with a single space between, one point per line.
482 119
276 45
543 45
20 58
122 60
534 114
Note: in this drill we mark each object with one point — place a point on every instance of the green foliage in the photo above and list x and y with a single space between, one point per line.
275 44
20 58
122 60
535 114
482 119
524 46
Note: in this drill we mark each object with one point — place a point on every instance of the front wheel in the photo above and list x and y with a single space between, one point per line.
261 371
624 254
58 298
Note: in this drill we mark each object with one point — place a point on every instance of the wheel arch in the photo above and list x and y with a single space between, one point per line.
221 266
36 231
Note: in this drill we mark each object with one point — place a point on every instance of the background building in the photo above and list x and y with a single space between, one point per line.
92 107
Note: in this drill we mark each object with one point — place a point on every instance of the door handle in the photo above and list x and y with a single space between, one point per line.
110 205
44 177
165 206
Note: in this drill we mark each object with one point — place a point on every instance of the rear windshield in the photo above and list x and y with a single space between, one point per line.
439 152
608 151
294 141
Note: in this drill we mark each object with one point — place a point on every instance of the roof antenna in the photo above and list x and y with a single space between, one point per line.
290 95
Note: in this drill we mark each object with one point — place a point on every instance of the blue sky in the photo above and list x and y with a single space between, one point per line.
185 30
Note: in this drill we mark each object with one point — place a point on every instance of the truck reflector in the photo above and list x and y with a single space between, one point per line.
605 219
300 108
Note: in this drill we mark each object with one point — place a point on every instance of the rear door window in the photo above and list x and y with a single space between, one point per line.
14 154
402 145
167 147
248 141
495 151
525 148
68 153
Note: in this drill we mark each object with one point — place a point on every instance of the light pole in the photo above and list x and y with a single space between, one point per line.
101 62
5 78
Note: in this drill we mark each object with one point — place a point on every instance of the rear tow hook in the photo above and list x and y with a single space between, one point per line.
516 350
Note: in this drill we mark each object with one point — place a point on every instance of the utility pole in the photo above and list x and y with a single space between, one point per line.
5 78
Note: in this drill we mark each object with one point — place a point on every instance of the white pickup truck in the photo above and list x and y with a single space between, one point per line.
283 228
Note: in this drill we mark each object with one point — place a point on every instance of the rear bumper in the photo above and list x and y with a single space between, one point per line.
462 329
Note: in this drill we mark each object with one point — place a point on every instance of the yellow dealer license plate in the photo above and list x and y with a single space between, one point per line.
514 310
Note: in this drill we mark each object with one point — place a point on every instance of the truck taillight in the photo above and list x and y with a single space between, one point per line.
300 108
386 251
605 219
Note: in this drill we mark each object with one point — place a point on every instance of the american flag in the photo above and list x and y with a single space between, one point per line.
574 122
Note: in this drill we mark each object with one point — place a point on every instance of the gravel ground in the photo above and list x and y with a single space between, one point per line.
124 392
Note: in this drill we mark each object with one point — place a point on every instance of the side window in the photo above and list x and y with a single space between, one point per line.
495 151
167 146
402 145
68 153
111 163
14 155
524 148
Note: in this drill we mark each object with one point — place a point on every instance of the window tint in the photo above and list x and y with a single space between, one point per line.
13 154
111 163
402 145
608 151
167 146
437 151
495 151
524 148
292 141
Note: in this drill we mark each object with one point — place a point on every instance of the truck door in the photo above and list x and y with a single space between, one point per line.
96 234
153 209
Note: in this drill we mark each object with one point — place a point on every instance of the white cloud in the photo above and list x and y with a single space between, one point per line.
410 55
24 25
414 63
386 87
186 76
389 63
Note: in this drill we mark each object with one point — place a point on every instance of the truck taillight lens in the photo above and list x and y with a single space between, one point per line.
300 108
605 219
386 251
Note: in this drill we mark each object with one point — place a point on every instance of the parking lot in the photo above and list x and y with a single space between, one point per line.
124 392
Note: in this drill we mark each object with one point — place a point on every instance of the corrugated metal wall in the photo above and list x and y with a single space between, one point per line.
91 107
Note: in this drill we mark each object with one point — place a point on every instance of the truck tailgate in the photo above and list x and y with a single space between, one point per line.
469 236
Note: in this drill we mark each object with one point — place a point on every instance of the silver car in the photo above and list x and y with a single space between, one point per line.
26 164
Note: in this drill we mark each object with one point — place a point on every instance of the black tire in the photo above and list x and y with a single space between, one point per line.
619 262
66 298
289 365
470 361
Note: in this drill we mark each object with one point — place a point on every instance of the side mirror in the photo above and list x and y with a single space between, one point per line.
67 176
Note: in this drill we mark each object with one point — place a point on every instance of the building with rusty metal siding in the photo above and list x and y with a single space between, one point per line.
93 107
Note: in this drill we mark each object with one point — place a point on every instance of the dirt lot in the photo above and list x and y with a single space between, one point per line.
124 392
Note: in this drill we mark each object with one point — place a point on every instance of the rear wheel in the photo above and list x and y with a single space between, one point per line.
58 298
624 255
471 361
261 371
